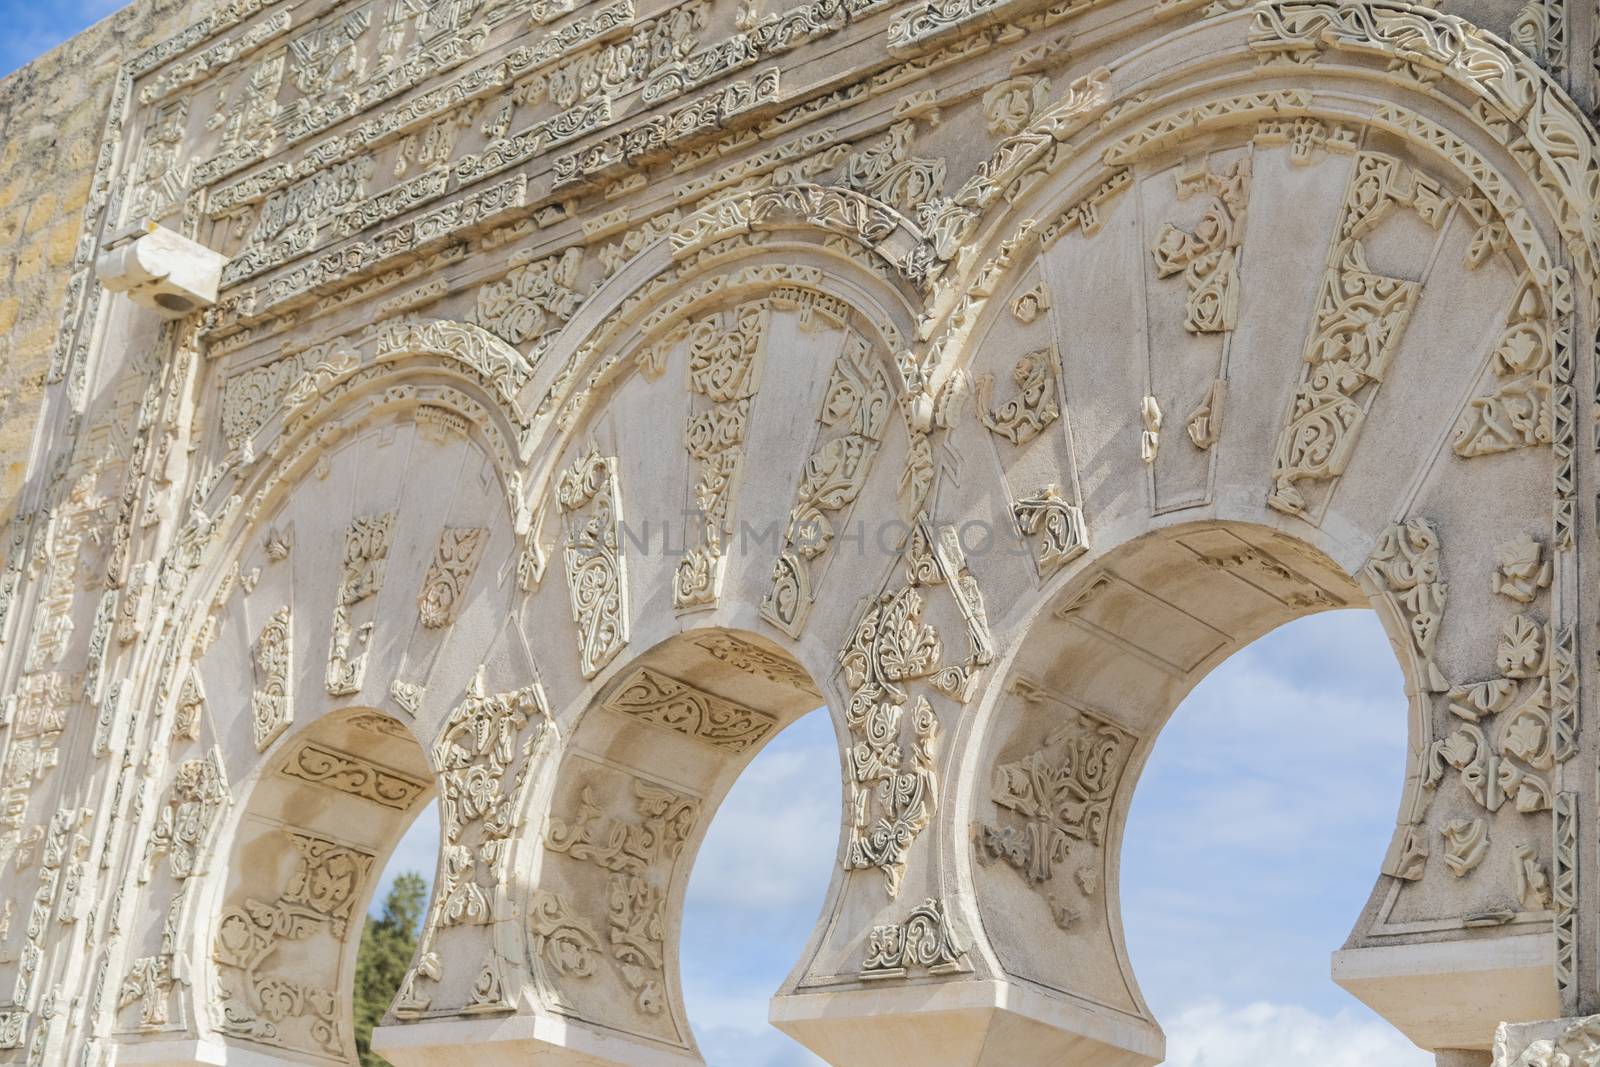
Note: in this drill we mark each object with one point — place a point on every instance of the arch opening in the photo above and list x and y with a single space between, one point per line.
758 884
309 851
1085 698
1253 839
647 767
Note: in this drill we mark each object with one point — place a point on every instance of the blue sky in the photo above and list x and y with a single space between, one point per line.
1231 907
34 28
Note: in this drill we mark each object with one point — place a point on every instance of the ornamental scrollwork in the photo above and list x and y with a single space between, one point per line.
483 760
591 505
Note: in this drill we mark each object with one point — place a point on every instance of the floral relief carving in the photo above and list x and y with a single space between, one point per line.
743 656
272 701
366 552
565 945
533 300
1056 526
1466 843
1510 739
591 505
855 412
1035 405
149 983
1055 802
726 352
1010 105
256 1000
888 171
482 759
1404 565
444 586
1360 318
923 941
193 800
351 774
892 777
191 708
1522 570
640 856
1207 256
1517 413
657 698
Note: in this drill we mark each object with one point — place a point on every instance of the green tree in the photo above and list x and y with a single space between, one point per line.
386 948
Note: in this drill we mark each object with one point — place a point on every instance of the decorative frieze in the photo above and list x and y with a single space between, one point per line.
348 773
656 698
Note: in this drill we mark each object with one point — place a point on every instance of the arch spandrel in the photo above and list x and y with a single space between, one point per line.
1216 318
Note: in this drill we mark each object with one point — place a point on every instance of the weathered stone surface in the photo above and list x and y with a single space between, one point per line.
594 389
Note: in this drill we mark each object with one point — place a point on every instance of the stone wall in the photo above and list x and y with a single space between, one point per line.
52 118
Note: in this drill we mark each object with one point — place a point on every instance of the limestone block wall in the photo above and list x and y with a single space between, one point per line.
52 118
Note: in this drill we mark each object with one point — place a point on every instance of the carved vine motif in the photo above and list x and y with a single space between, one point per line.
665 701
892 797
1208 255
533 300
1517 413
855 412
257 1002
1062 794
349 773
923 941
1511 764
1056 526
482 759
272 702
565 945
1023 417
197 794
1404 566
726 353
1466 842
366 552
591 504
889 172
1360 318
743 656
1522 570
640 856
191 708
149 983
444 586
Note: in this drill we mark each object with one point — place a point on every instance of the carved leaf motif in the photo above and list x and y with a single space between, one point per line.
445 583
1022 418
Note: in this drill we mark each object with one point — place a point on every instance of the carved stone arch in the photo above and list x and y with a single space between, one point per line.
324 589
711 257
278 923
647 753
1490 206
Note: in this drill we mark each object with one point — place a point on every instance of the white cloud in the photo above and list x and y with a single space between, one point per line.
1210 1034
